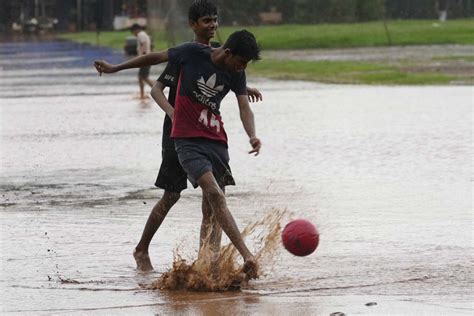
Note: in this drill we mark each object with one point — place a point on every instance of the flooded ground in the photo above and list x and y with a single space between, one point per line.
388 53
384 172
450 60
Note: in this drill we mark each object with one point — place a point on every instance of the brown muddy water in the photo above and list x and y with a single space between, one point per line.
385 173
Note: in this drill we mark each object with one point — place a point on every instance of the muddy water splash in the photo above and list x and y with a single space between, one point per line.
202 274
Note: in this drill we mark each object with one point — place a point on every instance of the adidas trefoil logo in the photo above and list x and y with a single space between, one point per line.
208 87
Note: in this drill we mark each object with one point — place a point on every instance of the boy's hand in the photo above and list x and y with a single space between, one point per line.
171 114
104 67
256 145
254 95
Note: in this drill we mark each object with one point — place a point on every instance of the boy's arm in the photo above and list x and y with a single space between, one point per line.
160 98
141 61
246 116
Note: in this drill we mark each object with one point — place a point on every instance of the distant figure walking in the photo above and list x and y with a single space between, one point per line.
143 48
442 6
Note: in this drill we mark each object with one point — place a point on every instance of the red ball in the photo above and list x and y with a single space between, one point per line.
300 237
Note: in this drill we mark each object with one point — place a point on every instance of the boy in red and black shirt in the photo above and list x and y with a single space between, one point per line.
203 20
206 76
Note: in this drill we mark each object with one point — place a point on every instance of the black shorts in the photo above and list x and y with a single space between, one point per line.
200 155
171 176
144 72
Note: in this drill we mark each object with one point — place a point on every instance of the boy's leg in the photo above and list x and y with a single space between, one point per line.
217 201
198 158
210 228
150 82
211 233
141 84
156 217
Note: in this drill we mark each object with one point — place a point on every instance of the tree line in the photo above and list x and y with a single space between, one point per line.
336 11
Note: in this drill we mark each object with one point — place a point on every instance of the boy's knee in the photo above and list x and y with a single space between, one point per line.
170 198
210 189
214 193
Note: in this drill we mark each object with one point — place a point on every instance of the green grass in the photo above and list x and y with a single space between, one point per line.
290 36
406 32
108 39
344 72
113 39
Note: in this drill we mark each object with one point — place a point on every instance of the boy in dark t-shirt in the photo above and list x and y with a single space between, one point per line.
206 76
171 177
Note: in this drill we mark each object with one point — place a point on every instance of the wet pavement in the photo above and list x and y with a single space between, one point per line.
391 53
384 173
449 60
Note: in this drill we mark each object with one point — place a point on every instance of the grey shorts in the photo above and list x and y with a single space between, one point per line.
144 72
200 155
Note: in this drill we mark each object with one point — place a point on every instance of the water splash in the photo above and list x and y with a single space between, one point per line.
226 274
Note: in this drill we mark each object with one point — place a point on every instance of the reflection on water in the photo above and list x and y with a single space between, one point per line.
384 172
48 55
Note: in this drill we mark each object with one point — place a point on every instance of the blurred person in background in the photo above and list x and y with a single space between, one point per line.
442 8
143 48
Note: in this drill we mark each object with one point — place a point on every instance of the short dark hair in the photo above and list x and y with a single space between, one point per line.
200 8
244 44
135 26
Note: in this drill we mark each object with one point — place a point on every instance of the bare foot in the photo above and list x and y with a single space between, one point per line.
141 97
250 269
143 260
